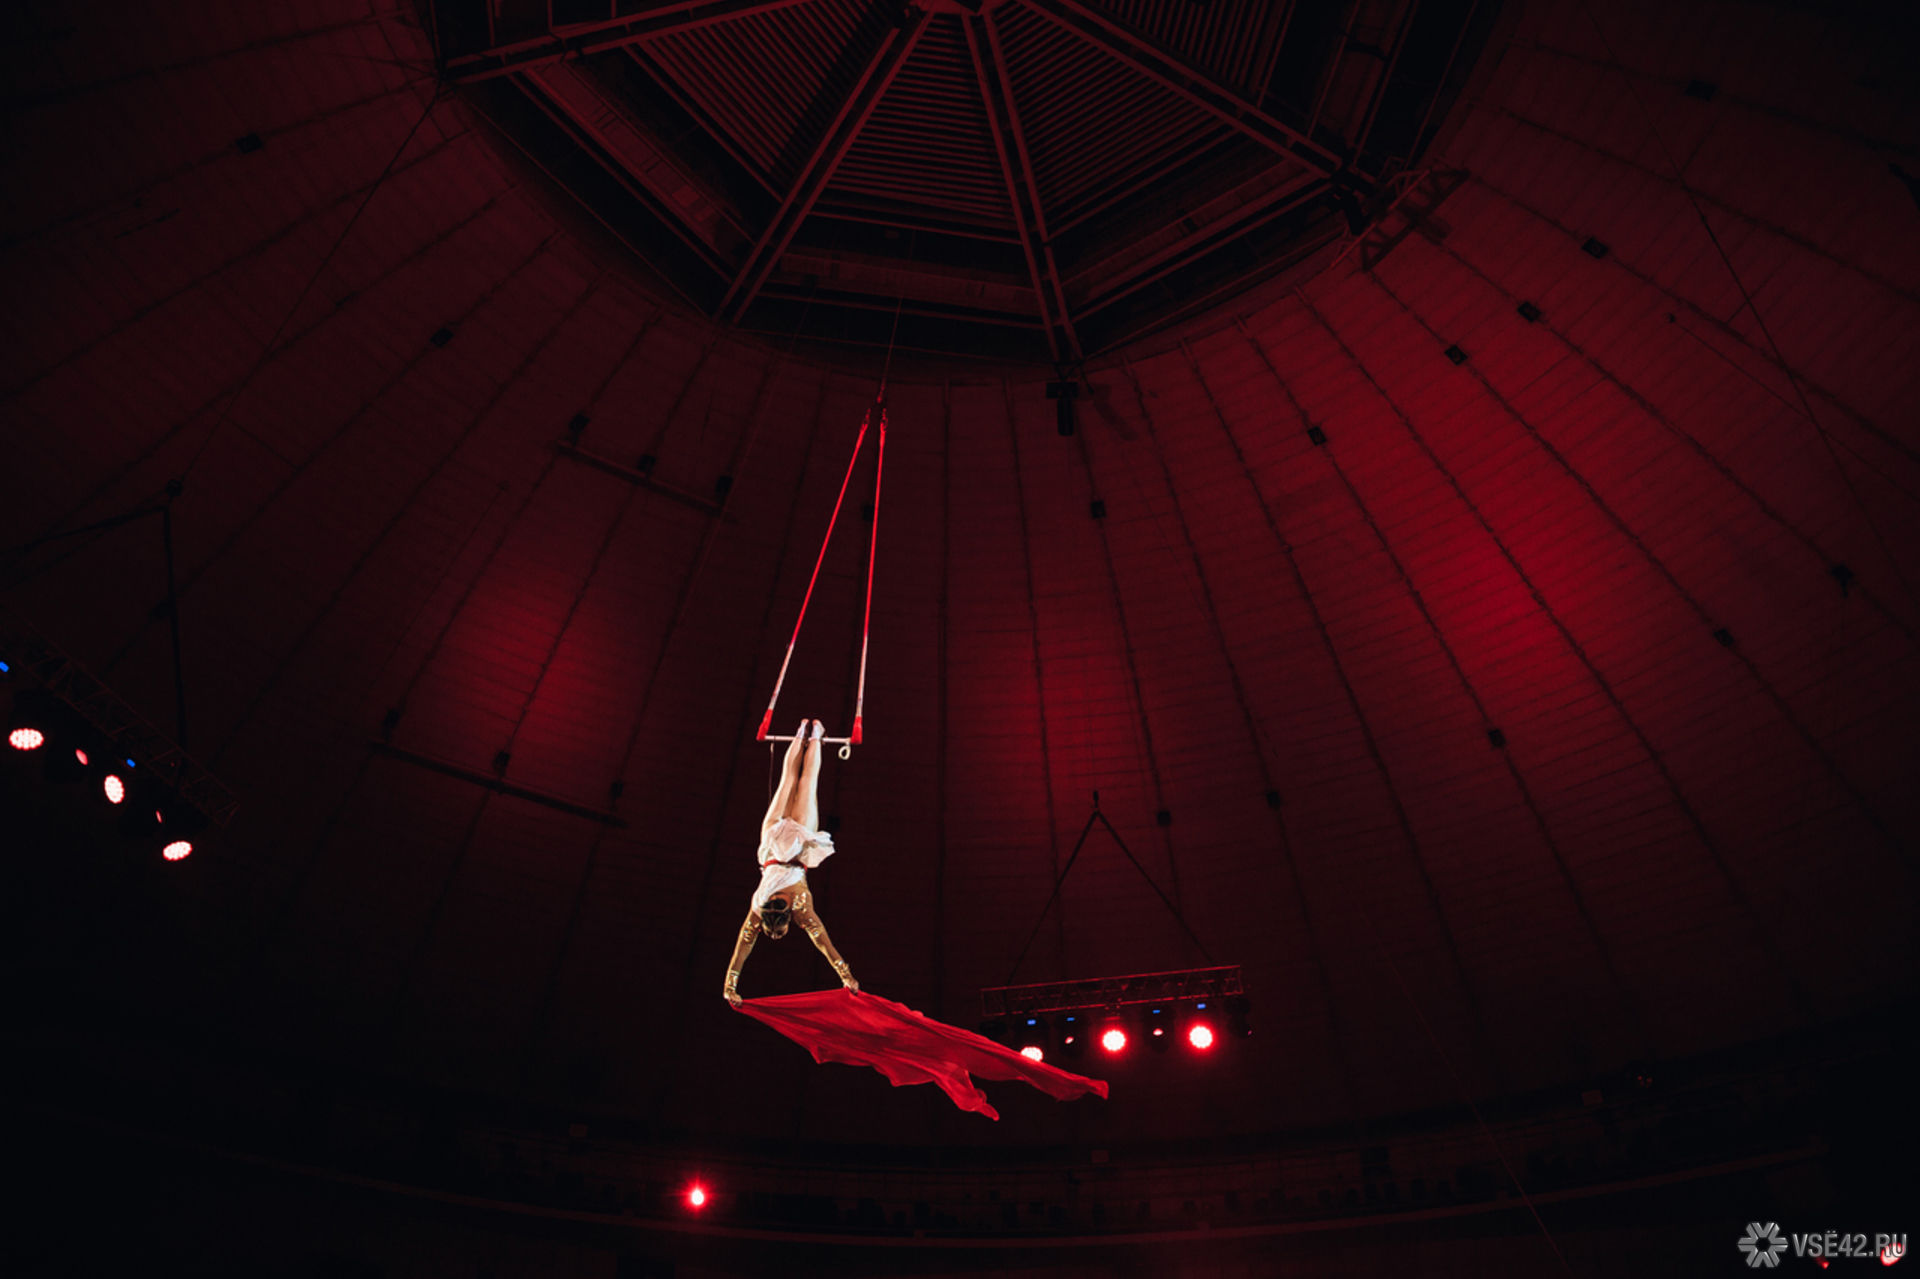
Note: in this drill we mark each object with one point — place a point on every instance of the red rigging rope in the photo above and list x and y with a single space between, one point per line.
866 622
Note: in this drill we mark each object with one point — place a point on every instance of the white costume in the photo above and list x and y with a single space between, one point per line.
787 852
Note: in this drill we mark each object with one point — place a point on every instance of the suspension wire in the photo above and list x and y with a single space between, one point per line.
221 416
1747 298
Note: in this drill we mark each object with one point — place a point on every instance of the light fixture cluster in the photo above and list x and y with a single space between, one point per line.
73 753
1197 1027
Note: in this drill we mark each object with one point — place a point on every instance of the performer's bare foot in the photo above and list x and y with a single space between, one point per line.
819 730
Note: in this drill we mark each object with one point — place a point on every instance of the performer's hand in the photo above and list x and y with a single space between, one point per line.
733 997
851 984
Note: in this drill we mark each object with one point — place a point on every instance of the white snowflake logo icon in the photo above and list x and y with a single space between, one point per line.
1762 1244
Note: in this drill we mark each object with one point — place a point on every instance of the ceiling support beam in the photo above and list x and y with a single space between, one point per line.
1185 81
1016 166
896 46
579 39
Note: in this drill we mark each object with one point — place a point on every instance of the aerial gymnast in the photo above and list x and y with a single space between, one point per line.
845 1025
791 844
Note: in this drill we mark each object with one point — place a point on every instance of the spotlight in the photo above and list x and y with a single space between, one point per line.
1031 1037
1114 1039
114 789
1197 1026
1032 1052
33 718
175 821
697 1197
1156 1028
1073 1035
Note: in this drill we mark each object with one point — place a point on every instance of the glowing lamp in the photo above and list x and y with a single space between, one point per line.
178 849
697 1197
26 739
115 789
1032 1053
1114 1040
1200 1036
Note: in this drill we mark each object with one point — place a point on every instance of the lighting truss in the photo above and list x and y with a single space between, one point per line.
1111 992
38 663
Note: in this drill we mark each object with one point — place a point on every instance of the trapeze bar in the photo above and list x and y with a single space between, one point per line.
846 744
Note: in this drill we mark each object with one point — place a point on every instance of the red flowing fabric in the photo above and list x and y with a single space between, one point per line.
908 1047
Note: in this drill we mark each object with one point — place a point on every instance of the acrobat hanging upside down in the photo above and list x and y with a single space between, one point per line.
791 844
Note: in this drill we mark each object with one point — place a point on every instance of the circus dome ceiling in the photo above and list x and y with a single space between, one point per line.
1497 634
1031 180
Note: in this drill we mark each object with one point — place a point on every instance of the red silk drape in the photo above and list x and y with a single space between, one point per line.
908 1047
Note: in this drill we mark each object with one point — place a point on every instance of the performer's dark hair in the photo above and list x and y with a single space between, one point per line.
773 915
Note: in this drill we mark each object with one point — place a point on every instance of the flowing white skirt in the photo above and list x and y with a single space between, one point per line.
786 854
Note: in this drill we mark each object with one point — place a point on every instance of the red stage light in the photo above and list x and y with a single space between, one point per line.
26 739
81 756
1200 1036
1114 1040
176 850
697 1197
115 788
1032 1053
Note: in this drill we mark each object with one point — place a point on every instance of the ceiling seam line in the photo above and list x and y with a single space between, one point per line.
656 446
366 555
404 989
1750 219
1039 674
1860 419
542 1017
1720 95
1481 1040
372 19
226 152
387 1022
1751 304
258 247
1315 948
1646 406
1709 844
186 420
304 873
743 726
192 579
526 503
1699 611
431 929
1628 1001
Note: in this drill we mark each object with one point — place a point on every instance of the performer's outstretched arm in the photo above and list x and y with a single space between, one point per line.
749 934
807 919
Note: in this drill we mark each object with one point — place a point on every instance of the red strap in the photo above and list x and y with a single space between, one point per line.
766 721
873 544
